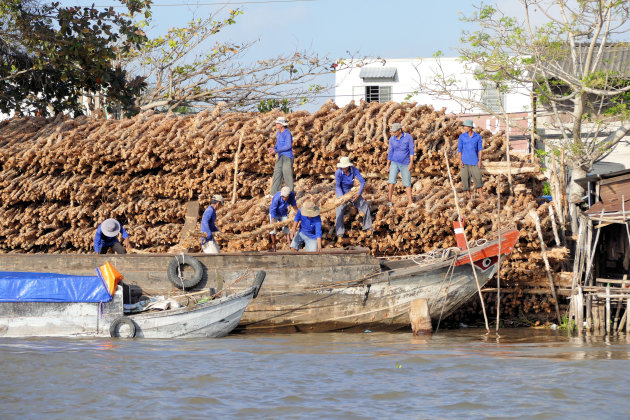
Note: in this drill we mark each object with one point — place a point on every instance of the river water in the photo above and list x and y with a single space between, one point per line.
524 373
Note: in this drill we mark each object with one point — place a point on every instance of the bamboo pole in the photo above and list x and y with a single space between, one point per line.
507 152
532 132
543 249
627 316
461 223
554 225
589 318
238 151
588 278
499 258
579 308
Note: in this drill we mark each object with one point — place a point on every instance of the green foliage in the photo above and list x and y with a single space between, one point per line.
546 189
268 105
52 54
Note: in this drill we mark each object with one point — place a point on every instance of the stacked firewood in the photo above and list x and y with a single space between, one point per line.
61 177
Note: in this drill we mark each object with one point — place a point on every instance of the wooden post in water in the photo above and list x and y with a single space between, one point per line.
589 318
419 317
499 258
627 316
595 309
608 309
620 303
579 310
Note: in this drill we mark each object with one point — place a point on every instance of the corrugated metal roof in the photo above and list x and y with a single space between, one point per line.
378 72
615 57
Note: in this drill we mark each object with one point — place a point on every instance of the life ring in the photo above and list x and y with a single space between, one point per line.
175 274
114 327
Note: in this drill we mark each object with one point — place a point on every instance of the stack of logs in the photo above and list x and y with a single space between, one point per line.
61 177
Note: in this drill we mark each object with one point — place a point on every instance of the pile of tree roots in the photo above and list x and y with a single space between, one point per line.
61 177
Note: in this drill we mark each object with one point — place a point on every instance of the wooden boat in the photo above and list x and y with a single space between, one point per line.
327 291
215 318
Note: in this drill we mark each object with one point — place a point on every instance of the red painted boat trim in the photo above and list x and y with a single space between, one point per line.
508 240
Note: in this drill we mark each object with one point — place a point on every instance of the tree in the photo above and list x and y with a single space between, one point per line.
52 54
178 74
565 52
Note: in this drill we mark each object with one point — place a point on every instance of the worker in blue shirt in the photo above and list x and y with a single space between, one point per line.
106 237
400 159
209 243
283 171
309 223
469 146
344 180
279 212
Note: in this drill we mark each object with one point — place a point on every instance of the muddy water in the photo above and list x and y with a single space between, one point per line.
536 374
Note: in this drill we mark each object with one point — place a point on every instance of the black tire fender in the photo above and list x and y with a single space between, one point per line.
175 266
114 327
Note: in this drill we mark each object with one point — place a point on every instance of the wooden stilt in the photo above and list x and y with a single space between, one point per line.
543 249
608 309
627 316
622 322
419 317
579 310
620 303
589 317
596 317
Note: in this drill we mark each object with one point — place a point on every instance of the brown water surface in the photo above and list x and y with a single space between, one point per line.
537 374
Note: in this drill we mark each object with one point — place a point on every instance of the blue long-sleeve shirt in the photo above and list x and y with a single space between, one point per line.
311 226
345 182
207 223
470 147
400 149
284 144
280 208
101 240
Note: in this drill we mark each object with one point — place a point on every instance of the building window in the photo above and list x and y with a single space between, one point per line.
378 93
492 98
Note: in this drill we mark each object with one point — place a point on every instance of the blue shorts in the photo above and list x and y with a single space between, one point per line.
394 168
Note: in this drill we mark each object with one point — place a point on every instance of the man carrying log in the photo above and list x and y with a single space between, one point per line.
309 222
279 212
209 244
283 171
106 237
469 146
400 159
344 180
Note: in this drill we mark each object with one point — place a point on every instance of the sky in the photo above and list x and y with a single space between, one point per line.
365 28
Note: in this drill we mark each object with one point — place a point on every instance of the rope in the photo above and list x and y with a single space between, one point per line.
452 268
180 275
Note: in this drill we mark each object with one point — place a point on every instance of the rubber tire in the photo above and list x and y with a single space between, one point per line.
123 320
185 284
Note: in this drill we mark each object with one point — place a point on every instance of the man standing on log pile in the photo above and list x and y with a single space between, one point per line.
344 179
106 237
400 159
283 171
470 145
279 212
310 225
209 244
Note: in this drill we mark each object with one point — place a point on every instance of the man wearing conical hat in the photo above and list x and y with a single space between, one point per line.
106 237
283 171
344 180
309 223
209 244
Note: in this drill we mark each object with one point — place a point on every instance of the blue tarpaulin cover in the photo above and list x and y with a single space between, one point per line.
50 287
